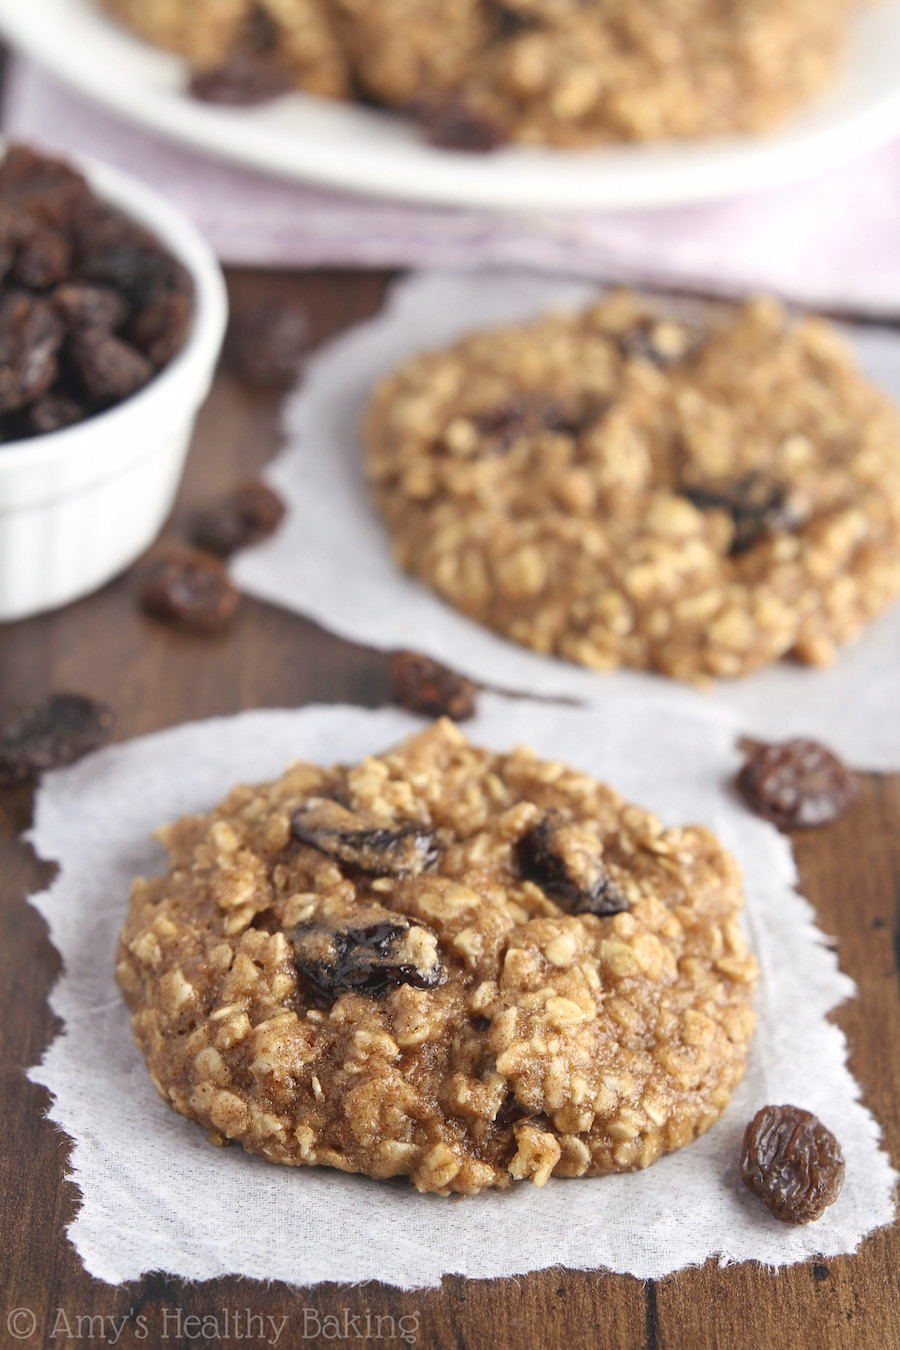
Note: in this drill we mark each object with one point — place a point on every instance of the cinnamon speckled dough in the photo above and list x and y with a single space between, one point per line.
564 72
509 1037
624 489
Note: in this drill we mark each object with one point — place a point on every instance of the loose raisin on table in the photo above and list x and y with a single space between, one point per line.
757 507
243 79
49 734
246 516
425 686
568 868
267 345
188 589
405 849
450 124
367 958
796 785
792 1162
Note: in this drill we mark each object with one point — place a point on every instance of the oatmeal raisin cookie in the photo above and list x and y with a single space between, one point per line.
622 488
442 963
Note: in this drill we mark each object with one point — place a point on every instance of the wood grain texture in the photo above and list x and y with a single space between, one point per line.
155 678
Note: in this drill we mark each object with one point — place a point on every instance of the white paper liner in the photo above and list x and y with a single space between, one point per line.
331 558
158 1196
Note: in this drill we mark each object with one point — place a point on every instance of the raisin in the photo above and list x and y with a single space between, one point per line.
797 784
450 124
243 79
757 507
268 345
402 850
53 412
509 22
110 369
47 189
159 330
30 337
188 589
568 868
260 31
793 1162
521 415
83 306
114 252
425 686
510 1112
43 260
369 958
46 735
247 515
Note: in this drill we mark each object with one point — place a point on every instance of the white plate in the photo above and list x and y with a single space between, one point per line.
362 150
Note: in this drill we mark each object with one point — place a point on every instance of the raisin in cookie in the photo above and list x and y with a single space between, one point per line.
300 36
442 963
625 489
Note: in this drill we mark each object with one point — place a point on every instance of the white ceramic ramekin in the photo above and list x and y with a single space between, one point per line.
78 505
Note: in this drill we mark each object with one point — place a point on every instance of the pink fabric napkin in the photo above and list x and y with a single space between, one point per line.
832 242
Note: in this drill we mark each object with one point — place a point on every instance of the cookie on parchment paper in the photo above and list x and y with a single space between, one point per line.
462 967
624 487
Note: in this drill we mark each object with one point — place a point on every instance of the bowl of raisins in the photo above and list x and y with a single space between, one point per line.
112 314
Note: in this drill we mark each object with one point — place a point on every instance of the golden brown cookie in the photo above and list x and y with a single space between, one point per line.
623 488
442 963
557 72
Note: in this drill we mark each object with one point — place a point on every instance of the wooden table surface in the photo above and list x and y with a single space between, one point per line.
154 678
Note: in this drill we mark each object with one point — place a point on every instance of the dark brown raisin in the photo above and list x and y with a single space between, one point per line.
368 958
243 79
84 306
47 189
53 412
402 850
510 1112
568 868
43 260
161 327
31 333
188 589
259 32
110 370
757 507
447 122
267 345
49 734
247 515
425 686
524 414
115 252
509 21
797 784
793 1162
